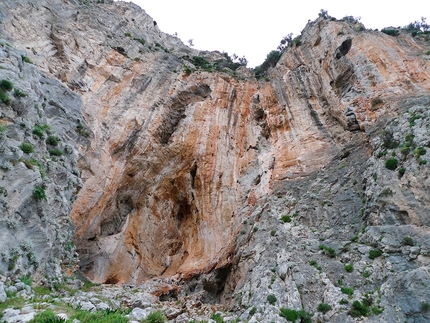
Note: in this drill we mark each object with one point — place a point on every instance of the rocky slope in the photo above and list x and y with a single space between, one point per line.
184 172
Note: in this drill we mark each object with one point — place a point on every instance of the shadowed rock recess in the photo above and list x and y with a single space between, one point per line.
303 193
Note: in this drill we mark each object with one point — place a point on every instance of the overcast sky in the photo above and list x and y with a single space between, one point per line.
254 28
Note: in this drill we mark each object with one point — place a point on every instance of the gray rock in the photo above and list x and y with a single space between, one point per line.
3 295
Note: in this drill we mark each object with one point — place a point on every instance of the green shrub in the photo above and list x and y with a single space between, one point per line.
39 131
347 290
285 218
19 94
324 308
26 280
6 85
271 299
428 52
27 147
377 310
390 31
187 70
156 317
271 60
391 163
407 241
217 318
26 59
293 315
273 232
327 250
39 193
425 307
366 274
56 152
374 253
127 34
349 267
402 171
252 311
142 41
104 316
354 238
359 309
5 98
343 301
137 59
376 101
52 140
419 152
315 264
2 128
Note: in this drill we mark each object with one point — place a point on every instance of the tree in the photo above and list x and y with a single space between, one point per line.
323 13
285 42
191 42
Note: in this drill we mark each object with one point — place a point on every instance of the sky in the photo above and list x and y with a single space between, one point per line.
254 28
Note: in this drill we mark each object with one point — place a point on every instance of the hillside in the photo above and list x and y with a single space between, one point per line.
135 160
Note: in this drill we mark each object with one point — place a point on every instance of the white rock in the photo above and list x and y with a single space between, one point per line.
3 295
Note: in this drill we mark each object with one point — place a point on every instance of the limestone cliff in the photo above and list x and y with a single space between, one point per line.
174 163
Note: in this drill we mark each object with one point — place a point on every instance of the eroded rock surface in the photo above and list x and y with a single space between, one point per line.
186 175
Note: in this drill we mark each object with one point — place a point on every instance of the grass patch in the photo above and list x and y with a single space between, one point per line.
407 241
158 317
374 253
26 59
347 290
327 250
39 193
6 85
56 152
293 315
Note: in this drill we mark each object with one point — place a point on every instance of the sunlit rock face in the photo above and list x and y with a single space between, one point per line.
177 161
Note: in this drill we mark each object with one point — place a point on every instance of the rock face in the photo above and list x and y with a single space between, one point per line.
186 175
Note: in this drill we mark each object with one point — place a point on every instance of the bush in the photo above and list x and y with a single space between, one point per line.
286 218
103 316
407 241
391 163
349 267
27 148
391 31
39 131
293 315
327 250
52 140
271 60
39 193
142 41
156 317
359 309
6 85
343 301
420 151
19 94
252 311
374 253
26 59
56 152
271 299
324 308
2 128
273 232
4 98
347 290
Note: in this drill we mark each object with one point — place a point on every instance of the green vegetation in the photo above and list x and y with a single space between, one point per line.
366 274
226 64
347 290
140 40
391 163
293 315
315 264
271 60
286 218
412 119
343 301
354 238
324 308
52 140
327 250
155 317
6 85
26 59
420 151
47 316
5 98
19 94
2 128
27 147
391 31
82 131
56 152
39 193
401 171
273 232
127 34
252 311
388 140
374 253
349 267
271 299
359 309
217 318
26 280
425 307
407 241
39 130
